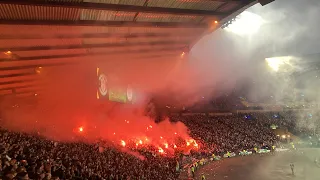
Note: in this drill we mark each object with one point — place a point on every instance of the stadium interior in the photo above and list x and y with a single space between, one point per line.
159 89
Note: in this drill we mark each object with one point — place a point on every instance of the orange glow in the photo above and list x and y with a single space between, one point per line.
81 129
161 150
216 22
161 137
182 54
123 143
8 53
98 97
166 145
196 145
98 69
140 142
188 144
174 146
38 70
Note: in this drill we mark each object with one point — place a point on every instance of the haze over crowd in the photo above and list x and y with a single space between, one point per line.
220 62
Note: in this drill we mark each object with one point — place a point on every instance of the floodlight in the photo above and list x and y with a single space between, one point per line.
244 24
275 63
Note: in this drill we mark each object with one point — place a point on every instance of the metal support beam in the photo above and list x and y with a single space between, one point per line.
14 82
84 46
19 78
104 23
221 6
239 9
17 71
16 75
231 1
33 66
13 85
27 83
166 49
137 13
96 35
20 87
115 7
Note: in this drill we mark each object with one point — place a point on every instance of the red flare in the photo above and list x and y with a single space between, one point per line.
161 150
123 143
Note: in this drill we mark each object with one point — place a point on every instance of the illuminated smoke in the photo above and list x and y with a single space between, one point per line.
215 64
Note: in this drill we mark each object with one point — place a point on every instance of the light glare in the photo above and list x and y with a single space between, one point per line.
275 63
246 23
123 143
8 52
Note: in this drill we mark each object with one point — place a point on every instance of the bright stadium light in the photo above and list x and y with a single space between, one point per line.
245 24
277 63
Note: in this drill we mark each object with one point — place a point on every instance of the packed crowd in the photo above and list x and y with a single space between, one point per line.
231 133
25 156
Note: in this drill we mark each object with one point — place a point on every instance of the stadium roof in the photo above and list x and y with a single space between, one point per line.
40 33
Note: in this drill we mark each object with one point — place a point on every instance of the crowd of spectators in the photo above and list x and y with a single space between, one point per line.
26 156
229 133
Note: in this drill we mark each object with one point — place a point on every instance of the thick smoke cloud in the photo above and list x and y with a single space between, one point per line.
67 108
217 63
289 29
